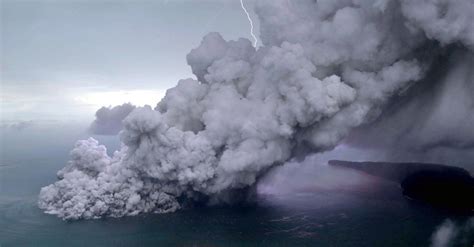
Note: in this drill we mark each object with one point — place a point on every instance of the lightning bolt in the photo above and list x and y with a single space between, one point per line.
251 23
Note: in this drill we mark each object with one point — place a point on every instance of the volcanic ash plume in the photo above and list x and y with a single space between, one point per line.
325 67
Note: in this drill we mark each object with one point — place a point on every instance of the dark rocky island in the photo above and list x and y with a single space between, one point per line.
439 185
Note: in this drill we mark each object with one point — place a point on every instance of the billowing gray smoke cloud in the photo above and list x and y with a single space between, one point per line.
108 120
325 67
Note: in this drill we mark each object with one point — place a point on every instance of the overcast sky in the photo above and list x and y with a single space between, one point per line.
64 59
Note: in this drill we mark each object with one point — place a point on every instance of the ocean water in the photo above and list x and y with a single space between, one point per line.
307 216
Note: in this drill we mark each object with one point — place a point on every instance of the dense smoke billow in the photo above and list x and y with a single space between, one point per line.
325 68
108 120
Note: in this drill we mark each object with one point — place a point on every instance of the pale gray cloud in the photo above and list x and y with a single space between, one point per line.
108 120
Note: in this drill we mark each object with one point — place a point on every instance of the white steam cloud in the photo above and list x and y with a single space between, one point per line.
324 68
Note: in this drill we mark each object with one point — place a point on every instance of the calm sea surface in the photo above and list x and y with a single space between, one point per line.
378 217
